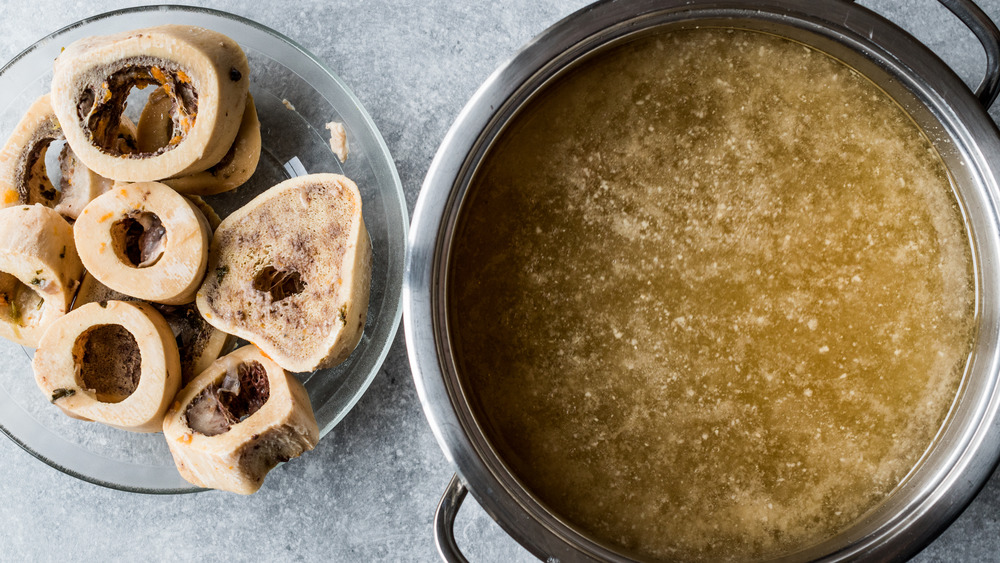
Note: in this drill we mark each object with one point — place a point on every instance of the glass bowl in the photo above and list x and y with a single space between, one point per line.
295 95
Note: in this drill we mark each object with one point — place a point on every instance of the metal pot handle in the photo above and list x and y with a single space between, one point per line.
986 31
989 36
444 521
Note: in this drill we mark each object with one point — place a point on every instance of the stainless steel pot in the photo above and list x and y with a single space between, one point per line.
967 448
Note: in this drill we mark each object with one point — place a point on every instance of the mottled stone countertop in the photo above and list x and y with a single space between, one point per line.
369 490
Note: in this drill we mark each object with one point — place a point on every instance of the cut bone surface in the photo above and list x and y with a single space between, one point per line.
204 73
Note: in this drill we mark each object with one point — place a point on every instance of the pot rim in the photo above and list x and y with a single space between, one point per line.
934 88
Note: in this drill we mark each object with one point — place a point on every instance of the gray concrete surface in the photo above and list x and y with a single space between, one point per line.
369 490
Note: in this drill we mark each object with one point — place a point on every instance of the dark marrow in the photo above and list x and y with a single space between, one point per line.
224 404
139 238
101 104
186 324
279 283
110 362
191 332
31 168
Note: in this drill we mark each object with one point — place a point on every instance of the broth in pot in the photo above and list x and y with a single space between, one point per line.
713 295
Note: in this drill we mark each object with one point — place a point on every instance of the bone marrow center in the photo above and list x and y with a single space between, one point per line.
139 239
220 406
100 105
17 299
280 284
108 362
35 183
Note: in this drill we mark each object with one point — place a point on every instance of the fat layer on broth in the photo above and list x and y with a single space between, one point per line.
713 295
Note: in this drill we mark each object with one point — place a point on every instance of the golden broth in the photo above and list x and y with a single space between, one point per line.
713 295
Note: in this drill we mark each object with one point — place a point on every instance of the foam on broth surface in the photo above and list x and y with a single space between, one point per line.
713 295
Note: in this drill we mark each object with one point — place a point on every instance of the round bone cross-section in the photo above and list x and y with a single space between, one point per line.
24 177
291 271
113 362
205 74
199 343
237 420
144 240
39 271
